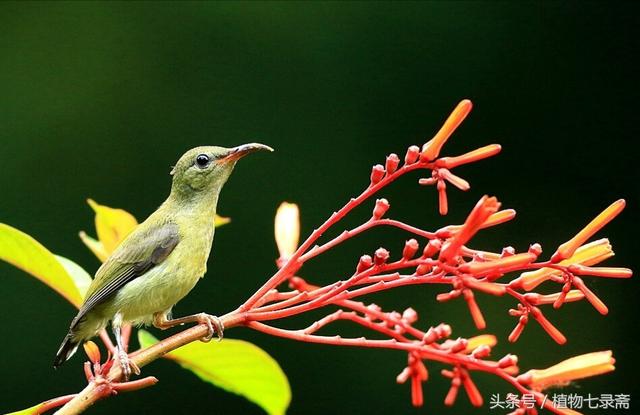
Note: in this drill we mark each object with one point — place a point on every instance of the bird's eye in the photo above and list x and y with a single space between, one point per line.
202 161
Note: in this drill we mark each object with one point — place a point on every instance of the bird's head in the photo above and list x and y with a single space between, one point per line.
207 168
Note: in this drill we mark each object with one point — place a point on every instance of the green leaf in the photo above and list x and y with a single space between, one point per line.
24 252
236 366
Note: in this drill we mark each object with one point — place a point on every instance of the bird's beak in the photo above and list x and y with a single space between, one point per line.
241 151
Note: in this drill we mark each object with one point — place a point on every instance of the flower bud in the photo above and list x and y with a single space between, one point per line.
458 345
535 249
382 205
508 360
392 163
381 256
423 269
436 333
410 249
481 351
365 263
412 155
287 229
508 251
377 173
410 315
432 248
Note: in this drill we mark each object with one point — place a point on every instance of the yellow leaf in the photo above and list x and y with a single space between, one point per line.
112 225
220 220
95 246
236 366
24 252
34 410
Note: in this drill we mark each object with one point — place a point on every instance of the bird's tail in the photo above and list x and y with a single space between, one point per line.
66 350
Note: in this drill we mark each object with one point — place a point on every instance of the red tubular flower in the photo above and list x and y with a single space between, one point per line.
517 331
590 296
443 205
486 287
450 399
476 314
457 181
472 390
551 330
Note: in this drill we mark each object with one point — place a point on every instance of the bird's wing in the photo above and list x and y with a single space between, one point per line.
141 251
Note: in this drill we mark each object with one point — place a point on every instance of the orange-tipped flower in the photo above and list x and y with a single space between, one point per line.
568 248
485 207
92 351
579 367
607 272
589 254
287 229
470 157
431 150
502 264
499 218
536 299
481 340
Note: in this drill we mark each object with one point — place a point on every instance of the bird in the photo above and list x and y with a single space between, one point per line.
161 260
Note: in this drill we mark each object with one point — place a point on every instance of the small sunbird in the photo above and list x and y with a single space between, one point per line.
162 259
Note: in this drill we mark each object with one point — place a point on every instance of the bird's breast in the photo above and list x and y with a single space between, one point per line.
164 285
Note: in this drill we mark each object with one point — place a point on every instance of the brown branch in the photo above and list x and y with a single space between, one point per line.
101 387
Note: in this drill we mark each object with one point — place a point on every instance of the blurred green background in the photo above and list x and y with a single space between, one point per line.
100 99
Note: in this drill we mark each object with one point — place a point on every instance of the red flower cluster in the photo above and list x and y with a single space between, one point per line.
443 257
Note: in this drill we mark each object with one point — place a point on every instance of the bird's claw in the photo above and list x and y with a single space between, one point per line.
127 365
214 324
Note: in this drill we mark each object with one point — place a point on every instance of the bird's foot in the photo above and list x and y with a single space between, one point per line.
214 324
127 365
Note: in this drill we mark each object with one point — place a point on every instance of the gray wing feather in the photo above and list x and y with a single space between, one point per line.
143 250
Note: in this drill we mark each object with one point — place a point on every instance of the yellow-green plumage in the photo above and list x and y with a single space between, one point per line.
165 256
